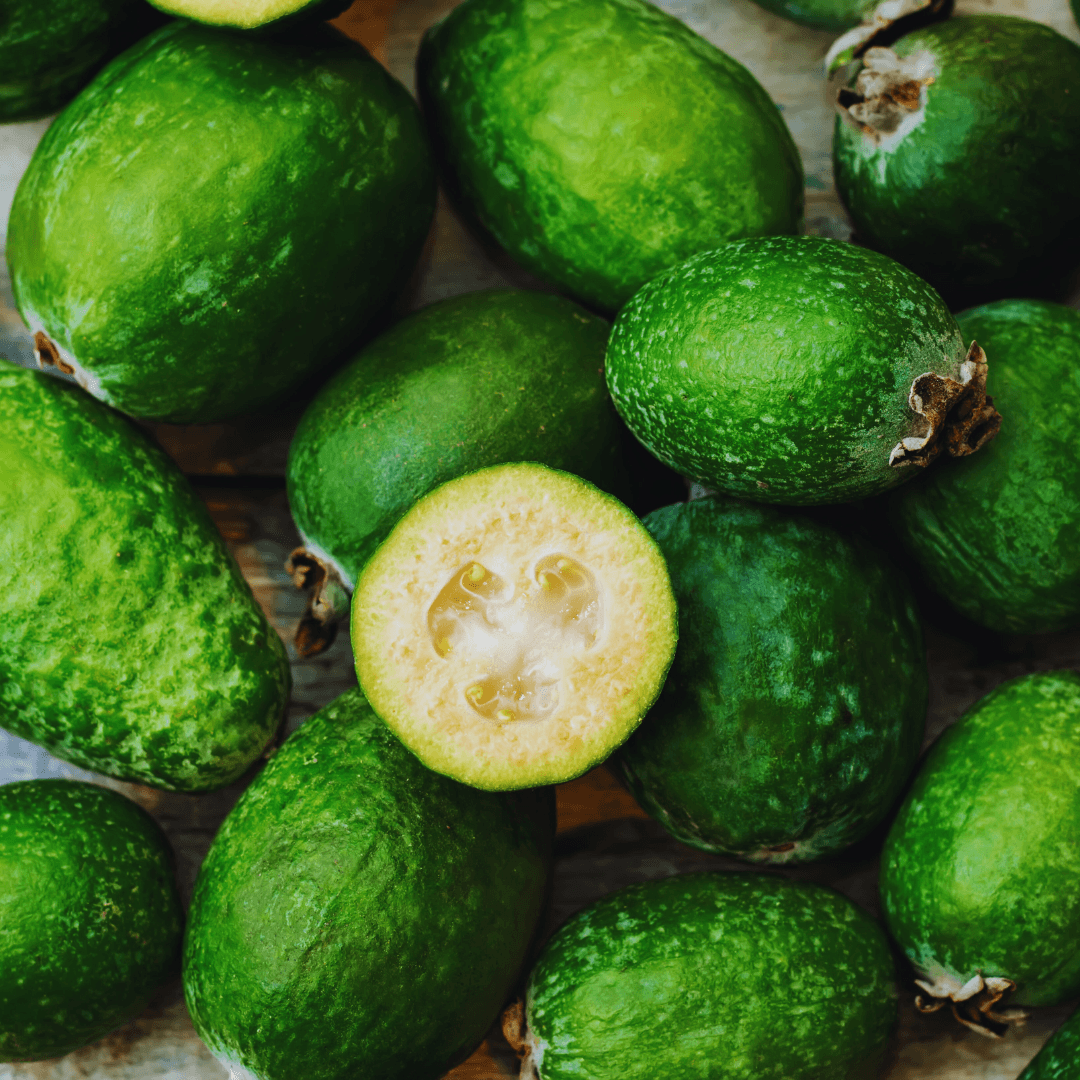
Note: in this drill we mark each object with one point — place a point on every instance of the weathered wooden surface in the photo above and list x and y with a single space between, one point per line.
605 841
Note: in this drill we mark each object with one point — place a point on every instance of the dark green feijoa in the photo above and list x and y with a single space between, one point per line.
1059 1059
359 915
999 535
599 142
216 215
129 642
796 370
90 920
711 977
795 706
979 872
832 15
956 150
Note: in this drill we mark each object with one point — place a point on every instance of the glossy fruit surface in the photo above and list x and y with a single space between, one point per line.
91 921
795 370
695 977
833 15
1059 1059
216 216
999 534
357 914
796 702
129 642
600 141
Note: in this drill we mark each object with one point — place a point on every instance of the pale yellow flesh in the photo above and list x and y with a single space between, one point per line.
245 14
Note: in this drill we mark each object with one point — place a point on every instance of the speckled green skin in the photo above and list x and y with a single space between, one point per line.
714 977
1059 1059
600 141
979 871
998 533
473 381
217 214
833 15
90 919
129 642
796 703
983 188
359 915
779 368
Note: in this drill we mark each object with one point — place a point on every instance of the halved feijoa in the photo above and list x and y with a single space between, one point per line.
251 14
90 919
796 702
796 370
712 976
999 534
514 627
1059 1059
980 869
358 915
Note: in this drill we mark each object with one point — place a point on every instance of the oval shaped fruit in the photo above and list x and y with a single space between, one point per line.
955 150
1059 1059
796 370
979 872
357 914
91 916
514 627
216 215
691 976
601 142
129 642
796 702
999 535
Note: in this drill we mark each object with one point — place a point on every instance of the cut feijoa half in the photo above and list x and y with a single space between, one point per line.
514 627
253 14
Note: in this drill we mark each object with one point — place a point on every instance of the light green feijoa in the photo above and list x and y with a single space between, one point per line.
90 919
712 977
129 642
216 215
980 869
275 15
999 534
599 142
359 915
796 370
1059 1059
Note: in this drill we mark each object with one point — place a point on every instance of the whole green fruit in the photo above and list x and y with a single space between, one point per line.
835 16
90 919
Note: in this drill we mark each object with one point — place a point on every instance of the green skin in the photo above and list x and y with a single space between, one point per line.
1059 1059
998 533
979 871
601 142
796 703
358 915
714 977
90 919
473 381
129 642
779 369
835 16
255 202
253 20
982 190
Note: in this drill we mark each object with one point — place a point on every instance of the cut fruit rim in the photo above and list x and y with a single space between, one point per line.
242 14
974 1003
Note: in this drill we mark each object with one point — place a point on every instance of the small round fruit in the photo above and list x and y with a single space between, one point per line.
796 703
90 919
999 535
796 370
514 627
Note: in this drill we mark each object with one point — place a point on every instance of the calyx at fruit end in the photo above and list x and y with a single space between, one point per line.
888 22
949 415
327 605
888 97
515 1030
973 1003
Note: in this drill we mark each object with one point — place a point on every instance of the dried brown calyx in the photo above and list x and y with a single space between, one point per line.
327 605
951 416
516 1032
888 96
888 22
974 1004
48 355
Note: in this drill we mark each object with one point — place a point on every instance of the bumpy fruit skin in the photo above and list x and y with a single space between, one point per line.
216 215
358 915
129 642
979 871
599 142
779 368
716 977
998 534
796 702
91 916
1059 1059
832 15
472 381
980 189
